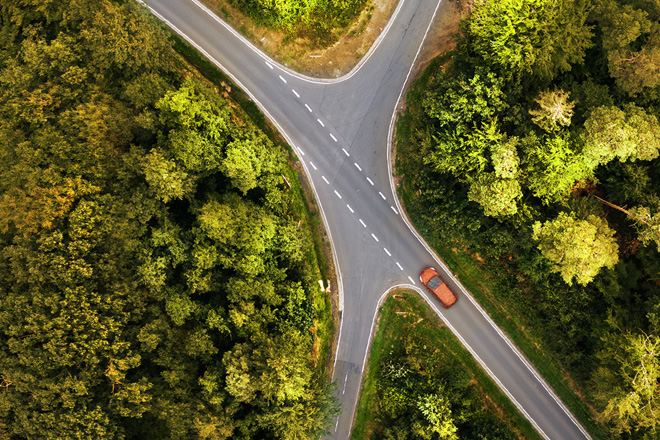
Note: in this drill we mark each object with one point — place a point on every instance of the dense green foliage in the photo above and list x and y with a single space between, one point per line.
154 277
315 19
535 146
422 384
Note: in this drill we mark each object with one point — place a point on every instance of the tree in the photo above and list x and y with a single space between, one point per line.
556 110
578 249
553 166
627 382
542 37
437 418
625 134
631 40
497 196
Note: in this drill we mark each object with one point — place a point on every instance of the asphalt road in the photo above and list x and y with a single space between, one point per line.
340 129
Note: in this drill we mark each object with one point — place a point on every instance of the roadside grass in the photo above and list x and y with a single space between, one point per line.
404 312
302 204
475 277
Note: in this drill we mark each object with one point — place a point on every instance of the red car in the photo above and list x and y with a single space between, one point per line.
434 284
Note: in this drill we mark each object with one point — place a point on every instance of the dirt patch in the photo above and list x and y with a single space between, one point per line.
441 36
299 54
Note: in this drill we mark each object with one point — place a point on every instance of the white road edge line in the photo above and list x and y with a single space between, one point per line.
282 78
357 166
308 108
387 252
333 137
338 195
362 223
320 122
279 127
325 180
295 93
467 294
313 166
375 238
350 209
370 181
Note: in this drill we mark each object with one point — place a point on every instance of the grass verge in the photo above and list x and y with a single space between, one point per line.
405 313
476 278
303 203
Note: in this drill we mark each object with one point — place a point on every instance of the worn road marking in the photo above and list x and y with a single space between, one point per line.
375 238
370 181
269 65
381 194
295 93
362 223
387 252
308 108
345 152
325 180
357 166
282 78
333 137
411 280
321 122
312 164
338 195
399 266
350 209
394 209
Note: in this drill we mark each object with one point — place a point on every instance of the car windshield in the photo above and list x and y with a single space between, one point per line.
434 282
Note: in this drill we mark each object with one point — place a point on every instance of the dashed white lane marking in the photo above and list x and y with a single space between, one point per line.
333 137
295 93
325 180
282 78
338 195
399 266
350 209
308 108
301 151
312 164
345 152
411 280
370 181
394 209
381 194
362 223
375 238
320 122
269 65
357 166
387 252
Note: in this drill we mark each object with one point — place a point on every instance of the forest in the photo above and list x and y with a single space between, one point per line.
533 148
156 278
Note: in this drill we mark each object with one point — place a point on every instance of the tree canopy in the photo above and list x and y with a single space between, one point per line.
154 274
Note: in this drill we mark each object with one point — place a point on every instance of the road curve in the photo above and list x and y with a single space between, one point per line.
340 130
